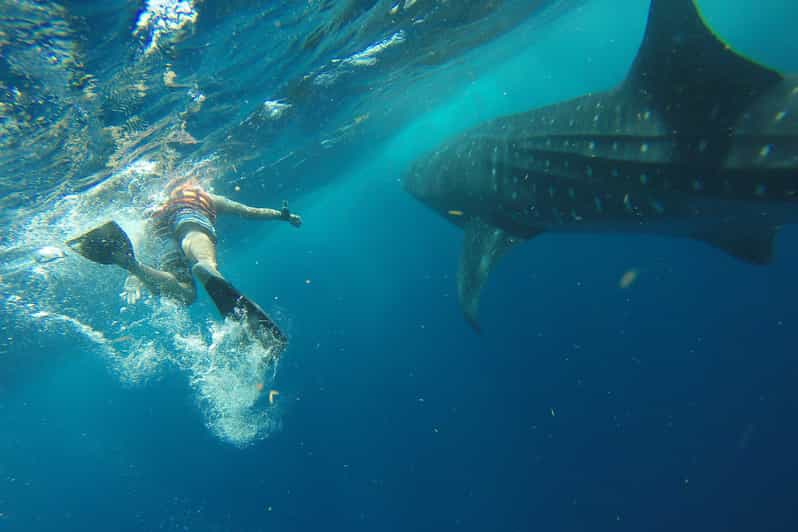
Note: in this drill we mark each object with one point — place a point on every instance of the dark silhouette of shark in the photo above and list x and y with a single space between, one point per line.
697 142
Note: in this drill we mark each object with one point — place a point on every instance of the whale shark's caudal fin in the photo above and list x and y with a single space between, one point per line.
483 246
697 83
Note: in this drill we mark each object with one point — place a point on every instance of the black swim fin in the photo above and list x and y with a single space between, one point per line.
233 304
106 244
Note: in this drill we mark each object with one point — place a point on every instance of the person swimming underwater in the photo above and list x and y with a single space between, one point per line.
187 222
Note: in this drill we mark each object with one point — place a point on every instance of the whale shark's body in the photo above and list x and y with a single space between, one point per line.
697 142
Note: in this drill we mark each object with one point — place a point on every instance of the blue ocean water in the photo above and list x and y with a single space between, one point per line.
668 404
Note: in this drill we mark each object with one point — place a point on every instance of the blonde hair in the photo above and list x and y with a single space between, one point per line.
181 181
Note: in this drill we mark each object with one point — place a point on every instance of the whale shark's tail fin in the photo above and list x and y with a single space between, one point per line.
692 78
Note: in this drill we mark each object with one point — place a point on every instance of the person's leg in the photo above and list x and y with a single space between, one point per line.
200 250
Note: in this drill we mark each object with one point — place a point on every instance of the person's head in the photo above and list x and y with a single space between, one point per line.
181 182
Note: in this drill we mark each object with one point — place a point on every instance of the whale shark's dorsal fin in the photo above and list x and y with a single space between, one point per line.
697 82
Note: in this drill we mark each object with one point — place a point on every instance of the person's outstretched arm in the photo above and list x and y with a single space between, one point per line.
227 206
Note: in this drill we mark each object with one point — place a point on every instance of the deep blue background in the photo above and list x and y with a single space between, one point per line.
669 405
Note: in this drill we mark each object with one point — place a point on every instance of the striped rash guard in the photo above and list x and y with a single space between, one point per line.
189 208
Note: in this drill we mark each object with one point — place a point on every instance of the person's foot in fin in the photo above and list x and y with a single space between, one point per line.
106 244
204 271
222 292
232 303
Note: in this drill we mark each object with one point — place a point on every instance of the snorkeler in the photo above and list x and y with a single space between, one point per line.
187 223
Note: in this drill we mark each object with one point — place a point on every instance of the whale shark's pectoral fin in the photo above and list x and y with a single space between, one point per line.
753 245
483 246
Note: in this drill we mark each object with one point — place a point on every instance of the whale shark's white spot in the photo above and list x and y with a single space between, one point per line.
780 116
644 179
572 122
548 143
552 191
596 118
657 206
703 145
715 112
571 192
615 146
647 115
514 195
791 193
575 216
627 201
698 185
548 164
599 206
591 146
644 148
589 171
615 172
765 151
760 190
795 91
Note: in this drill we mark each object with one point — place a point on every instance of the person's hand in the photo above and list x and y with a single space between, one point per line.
131 292
294 220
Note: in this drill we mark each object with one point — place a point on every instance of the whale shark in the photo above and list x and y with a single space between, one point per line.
697 142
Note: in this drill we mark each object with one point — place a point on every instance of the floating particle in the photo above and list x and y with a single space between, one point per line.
237 188
553 413
259 386
307 281
272 395
628 279
456 213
